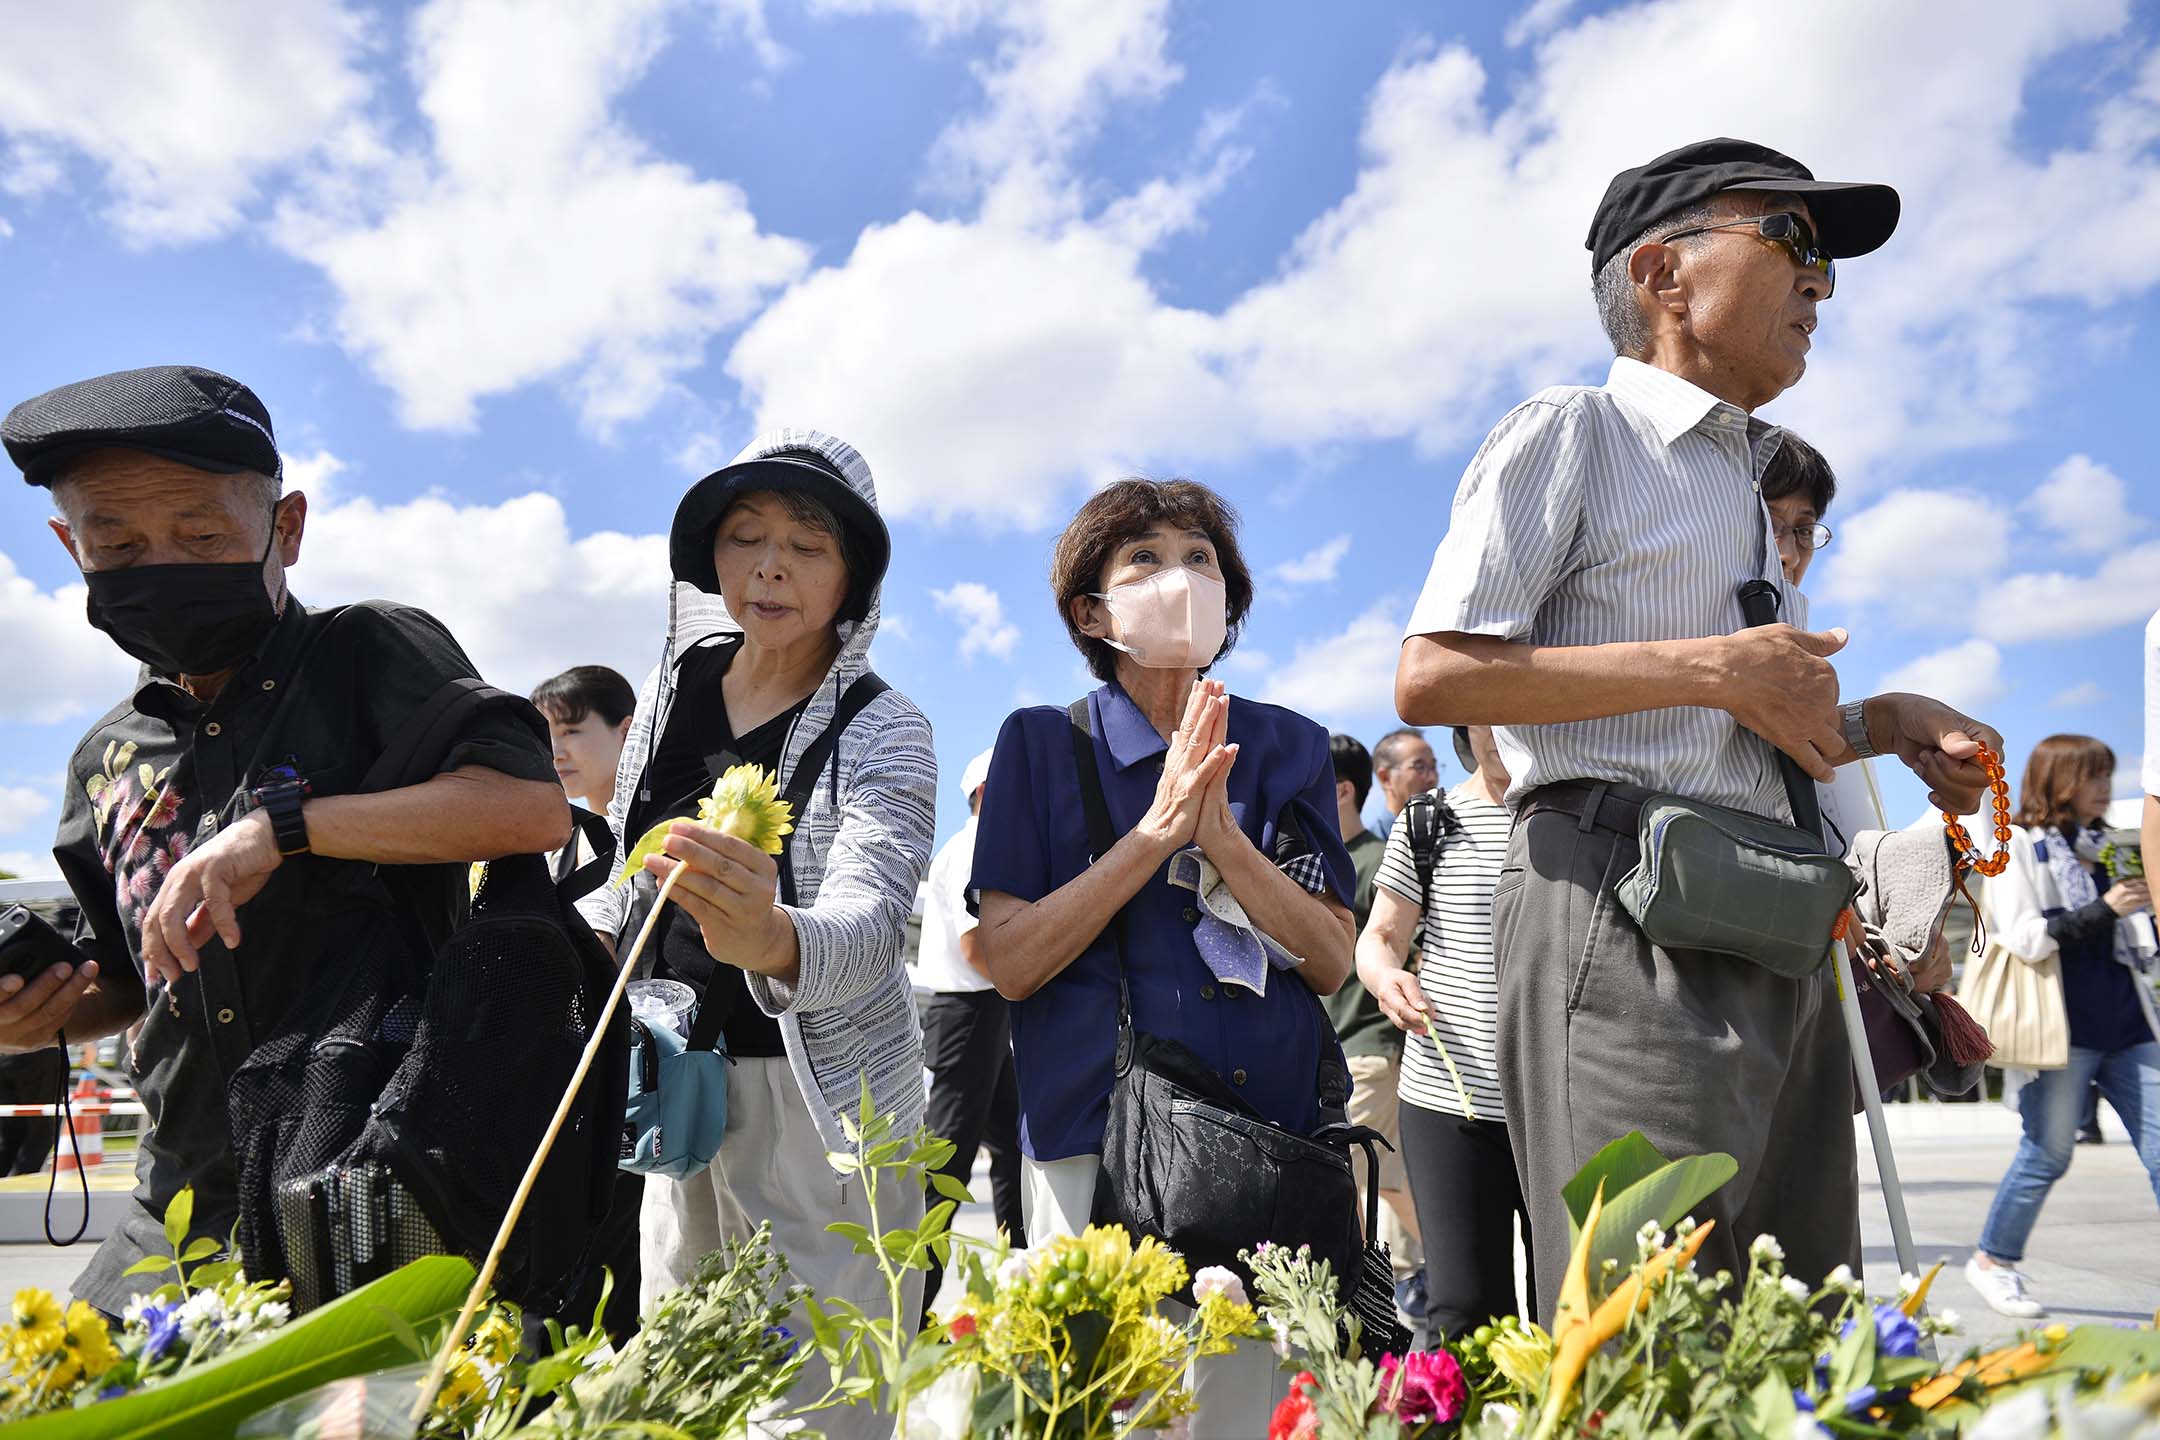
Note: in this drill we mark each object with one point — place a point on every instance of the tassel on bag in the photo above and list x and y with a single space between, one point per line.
1966 1042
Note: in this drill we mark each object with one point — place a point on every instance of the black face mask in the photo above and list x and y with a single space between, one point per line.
185 619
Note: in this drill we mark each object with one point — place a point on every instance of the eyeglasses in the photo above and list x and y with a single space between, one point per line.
1789 232
1416 767
1806 537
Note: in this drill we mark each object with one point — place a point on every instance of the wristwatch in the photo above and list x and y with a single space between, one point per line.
280 797
1852 715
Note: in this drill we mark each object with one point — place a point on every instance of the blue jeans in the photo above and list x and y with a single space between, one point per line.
2130 1079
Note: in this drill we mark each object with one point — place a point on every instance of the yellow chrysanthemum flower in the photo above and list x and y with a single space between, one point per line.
460 1387
496 1341
38 1327
89 1340
745 802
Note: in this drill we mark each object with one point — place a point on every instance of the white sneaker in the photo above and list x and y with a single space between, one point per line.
2004 1290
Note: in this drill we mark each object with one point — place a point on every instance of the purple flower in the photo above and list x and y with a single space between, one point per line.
163 1324
1803 1402
1431 1387
1896 1333
784 1335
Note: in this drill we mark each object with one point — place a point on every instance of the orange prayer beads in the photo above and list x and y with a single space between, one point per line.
1961 839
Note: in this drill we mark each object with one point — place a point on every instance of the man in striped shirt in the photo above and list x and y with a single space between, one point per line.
1584 602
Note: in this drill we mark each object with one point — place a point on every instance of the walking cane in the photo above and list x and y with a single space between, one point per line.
1759 606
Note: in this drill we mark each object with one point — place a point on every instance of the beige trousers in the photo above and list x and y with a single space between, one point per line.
772 1167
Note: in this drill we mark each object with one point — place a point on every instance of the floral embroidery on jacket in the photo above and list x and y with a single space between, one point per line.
137 810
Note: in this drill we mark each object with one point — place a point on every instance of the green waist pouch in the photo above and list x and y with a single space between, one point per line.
1717 879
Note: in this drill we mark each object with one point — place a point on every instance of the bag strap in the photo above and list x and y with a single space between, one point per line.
1102 835
708 1020
577 881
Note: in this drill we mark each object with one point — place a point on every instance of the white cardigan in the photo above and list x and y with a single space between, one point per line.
2016 905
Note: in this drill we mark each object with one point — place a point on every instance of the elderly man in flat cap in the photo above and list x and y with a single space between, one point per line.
1585 603
224 870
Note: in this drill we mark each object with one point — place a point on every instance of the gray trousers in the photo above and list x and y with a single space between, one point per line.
1602 1032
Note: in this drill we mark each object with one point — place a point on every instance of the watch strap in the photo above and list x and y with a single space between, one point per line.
282 803
1852 717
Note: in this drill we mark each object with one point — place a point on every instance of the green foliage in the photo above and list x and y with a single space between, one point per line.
1641 1187
348 1336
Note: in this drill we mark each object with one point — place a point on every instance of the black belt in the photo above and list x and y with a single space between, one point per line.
1611 805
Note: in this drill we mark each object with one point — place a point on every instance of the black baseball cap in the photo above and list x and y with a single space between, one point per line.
1851 218
690 539
182 412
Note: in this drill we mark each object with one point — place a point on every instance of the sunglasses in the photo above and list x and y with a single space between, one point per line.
1786 230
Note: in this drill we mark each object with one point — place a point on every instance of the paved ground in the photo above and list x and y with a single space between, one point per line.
2095 1255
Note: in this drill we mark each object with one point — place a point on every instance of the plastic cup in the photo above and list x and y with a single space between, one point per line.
666 1003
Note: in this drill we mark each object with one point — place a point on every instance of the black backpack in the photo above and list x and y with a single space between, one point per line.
395 1117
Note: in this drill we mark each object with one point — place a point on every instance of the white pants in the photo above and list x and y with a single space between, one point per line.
1236 1393
772 1167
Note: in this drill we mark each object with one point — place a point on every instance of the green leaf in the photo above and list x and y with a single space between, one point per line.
148 1265
2103 1347
936 1222
1770 1409
951 1189
1640 1186
648 844
202 1247
399 1326
178 1214
857 1235
344 1338
1852 1364
217 1272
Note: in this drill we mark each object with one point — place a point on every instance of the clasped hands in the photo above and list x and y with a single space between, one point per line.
1778 682
1192 800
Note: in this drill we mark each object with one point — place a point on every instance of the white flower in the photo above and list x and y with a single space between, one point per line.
1766 1247
1907 1286
202 1315
272 1313
1012 1269
1218 1280
1807 1427
2024 1416
1650 1239
1499 1421
1795 1288
1947 1320
131 1316
1841 1279
1282 1336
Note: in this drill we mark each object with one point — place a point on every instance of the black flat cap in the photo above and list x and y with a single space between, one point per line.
1850 218
182 412
868 542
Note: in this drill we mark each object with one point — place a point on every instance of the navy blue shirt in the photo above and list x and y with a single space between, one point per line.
1031 840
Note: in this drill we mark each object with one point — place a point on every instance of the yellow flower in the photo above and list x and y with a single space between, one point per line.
38 1329
90 1340
496 1341
1523 1356
745 802
460 1387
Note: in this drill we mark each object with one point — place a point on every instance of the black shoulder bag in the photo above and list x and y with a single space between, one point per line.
1186 1159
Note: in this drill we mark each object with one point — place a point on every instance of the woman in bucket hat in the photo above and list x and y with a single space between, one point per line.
777 562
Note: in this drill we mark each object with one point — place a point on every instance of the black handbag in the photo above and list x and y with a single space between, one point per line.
1186 1160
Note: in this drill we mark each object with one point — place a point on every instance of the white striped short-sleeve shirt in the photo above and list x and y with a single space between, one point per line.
1455 966
1626 511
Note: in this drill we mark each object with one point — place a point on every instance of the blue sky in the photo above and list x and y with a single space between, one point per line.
509 277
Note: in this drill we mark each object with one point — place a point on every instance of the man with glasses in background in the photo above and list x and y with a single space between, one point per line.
1585 603
1403 766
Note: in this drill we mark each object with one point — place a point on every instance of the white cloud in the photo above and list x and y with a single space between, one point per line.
316 474
1316 566
19 805
2085 504
2054 606
1345 677
59 667
981 614
1928 549
524 596
30 864
535 237
183 105
2085 692
1967 675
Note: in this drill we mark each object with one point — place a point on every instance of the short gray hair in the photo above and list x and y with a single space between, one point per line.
268 489
1619 309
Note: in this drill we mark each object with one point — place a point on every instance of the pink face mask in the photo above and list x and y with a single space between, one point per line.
1172 620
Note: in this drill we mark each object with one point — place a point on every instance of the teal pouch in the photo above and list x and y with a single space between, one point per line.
1722 880
676 1111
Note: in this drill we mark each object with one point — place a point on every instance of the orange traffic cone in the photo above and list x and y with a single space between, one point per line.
88 1147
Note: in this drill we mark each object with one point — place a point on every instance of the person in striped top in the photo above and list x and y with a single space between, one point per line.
1454 1126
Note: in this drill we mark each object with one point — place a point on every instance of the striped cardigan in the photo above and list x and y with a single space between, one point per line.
859 850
